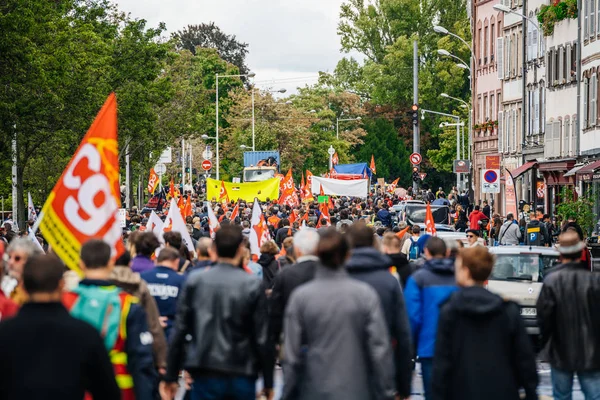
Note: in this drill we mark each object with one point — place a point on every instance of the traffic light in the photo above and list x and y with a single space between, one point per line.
415 175
415 113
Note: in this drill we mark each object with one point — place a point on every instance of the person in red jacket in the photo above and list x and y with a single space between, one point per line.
475 217
8 308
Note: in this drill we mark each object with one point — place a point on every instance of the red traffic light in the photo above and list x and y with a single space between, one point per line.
415 107
415 169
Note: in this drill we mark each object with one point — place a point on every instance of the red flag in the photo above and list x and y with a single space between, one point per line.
324 217
321 192
180 204
302 190
84 203
187 209
403 232
307 189
372 166
223 193
152 181
288 190
171 189
393 185
335 159
429 221
235 213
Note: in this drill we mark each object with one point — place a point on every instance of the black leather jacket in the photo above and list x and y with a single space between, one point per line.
224 310
569 317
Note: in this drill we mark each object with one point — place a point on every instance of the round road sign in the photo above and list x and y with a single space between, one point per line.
415 159
490 176
206 165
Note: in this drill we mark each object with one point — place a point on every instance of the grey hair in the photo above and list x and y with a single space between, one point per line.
306 241
25 245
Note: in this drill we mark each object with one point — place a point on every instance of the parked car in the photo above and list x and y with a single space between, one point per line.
518 275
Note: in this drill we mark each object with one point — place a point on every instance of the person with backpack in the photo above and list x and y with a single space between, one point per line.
411 246
120 320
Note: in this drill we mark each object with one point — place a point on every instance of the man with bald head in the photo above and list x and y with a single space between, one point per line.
305 248
203 259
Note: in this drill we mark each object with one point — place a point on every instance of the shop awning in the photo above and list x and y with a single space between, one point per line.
574 170
523 168
590 168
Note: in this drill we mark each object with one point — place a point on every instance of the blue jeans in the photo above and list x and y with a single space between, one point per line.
426 368
562 384
223 388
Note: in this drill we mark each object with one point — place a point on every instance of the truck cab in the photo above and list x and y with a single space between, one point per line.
260 165
258 173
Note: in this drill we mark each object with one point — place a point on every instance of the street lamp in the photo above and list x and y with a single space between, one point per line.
337 125
443 31
270 91
446 53
458 125
217 76
465 105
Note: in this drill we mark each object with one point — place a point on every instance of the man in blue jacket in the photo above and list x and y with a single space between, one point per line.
164 284
425 291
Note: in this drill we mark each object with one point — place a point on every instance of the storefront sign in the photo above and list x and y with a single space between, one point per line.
541 190
510 195
589 177
492 162
462 166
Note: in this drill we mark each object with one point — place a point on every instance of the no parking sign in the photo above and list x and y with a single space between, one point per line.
490 181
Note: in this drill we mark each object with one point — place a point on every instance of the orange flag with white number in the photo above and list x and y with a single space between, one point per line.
152 181
429 221
85 201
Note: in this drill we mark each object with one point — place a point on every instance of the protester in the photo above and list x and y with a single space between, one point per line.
568 316
536 233
269 264
411 246
282 232
305 249
131 282
487 211
229 350
485 336
46 353
164 284
145 244
119 318
372 267
19 251
174 240
426 290
203 260
475 217
509 232
391 247
336 340
384 216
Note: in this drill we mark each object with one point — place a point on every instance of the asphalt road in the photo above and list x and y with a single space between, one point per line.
544 388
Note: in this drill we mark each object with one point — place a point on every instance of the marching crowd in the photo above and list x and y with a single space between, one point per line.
347 303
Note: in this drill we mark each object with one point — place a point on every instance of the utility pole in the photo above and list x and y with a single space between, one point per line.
127 179
15 194
416 134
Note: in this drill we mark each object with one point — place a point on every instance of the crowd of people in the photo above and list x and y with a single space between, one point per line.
347 310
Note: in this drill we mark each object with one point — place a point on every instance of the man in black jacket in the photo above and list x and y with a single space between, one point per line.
536 233
305 248
476 326
391 247
569 317
369 265
46 353
224 311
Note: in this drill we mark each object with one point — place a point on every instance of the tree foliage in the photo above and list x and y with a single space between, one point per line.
210 36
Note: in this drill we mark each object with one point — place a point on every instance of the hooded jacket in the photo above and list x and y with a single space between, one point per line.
132 283
368 265
425 291
270 268
476 326
474 219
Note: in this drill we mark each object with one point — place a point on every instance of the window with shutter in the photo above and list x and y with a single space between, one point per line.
500 132
585 19
500 58
542 113
556 141
574 62
536 44
529 42
564 150
557 65
574 134
548 141
536 111
514 132
492 107
592 19
594 102
568 62
549 67
508 131
585 102
529 112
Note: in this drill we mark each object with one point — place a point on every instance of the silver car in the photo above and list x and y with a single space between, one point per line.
518 275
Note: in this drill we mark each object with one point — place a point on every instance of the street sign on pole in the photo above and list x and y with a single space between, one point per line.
160 168
462 166
166 156
490 181
415 158
207 153
206 165
422 175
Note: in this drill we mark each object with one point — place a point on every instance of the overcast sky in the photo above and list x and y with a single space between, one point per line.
287 38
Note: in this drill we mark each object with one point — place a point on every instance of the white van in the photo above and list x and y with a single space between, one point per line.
518 275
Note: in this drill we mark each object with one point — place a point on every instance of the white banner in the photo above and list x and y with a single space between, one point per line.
337 187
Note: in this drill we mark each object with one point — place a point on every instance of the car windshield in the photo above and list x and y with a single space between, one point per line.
526 267
258 174
415 213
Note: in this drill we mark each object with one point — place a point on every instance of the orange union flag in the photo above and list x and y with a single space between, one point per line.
152 181
85 201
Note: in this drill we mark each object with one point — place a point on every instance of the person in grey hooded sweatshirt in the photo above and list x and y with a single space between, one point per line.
509 231
369 265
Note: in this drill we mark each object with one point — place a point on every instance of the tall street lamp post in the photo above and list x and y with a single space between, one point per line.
337 125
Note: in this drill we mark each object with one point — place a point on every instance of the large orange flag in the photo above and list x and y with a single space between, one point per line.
429 221
152 181
85 201
223 195
372 166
